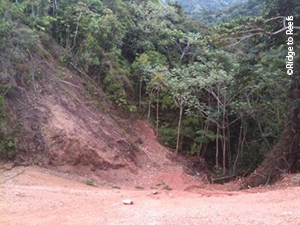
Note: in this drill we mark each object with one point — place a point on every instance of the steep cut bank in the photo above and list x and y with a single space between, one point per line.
66 123
60 124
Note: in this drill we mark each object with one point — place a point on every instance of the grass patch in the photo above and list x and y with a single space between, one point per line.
90 183
167 187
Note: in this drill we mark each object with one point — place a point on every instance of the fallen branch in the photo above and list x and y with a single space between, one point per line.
66 82
219 180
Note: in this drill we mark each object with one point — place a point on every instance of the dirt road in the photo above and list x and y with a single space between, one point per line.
31 196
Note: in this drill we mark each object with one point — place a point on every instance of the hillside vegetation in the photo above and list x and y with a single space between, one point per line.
193 5
214 16
219 10
219 93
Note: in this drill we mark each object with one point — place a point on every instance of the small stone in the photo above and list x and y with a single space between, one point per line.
155 192
127 202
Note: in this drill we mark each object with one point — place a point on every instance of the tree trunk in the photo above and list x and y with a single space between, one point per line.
217 147
157 112
32 10
224 151
228 140
238 149
179 128
140 94
263 134
224 138
218 133
149 108
202 153
204 150
55 5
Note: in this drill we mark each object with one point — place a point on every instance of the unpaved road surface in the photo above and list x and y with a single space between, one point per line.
29 196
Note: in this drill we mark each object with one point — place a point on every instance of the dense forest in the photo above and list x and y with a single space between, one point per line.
219 92
199 5
219 10
214 16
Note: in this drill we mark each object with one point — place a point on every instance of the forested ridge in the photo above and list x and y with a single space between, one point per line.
219 92
214 12
234 11
190 5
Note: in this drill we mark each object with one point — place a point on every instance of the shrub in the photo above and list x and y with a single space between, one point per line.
8 144
167 136
115 91
8 147
90 183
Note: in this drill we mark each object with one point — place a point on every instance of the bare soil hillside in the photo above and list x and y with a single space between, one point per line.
64 122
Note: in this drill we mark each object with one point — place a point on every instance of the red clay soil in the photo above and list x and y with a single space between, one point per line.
31 195
159 164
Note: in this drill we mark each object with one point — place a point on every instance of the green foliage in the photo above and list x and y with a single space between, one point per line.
196 5
90 183
115 91
167 136
275 8
149 58
167 187
247 8
8 147
65 59
5 28
153 29
8 143
217 171
251 159
206 136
